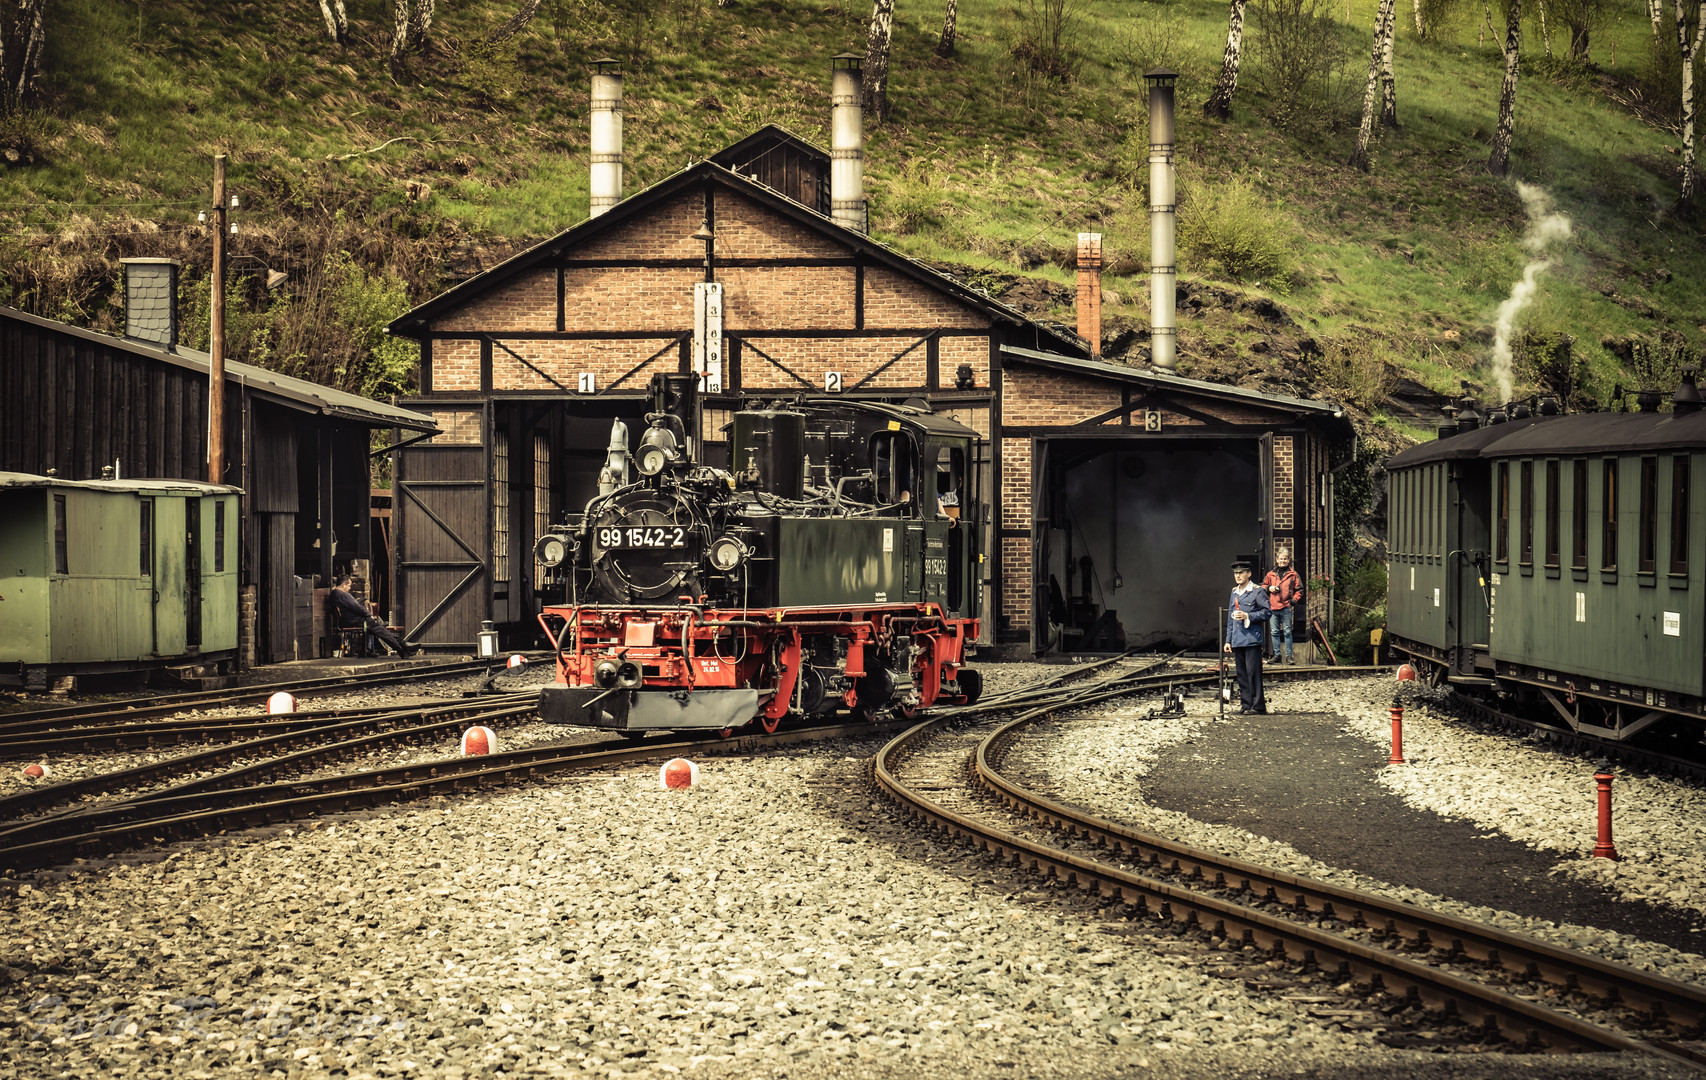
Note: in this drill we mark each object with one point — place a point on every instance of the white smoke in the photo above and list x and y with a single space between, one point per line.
1545 227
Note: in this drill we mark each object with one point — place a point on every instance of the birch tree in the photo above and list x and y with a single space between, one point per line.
1688 40
1388 81
1383 19
1498 163
22 34
1219 103
945 47
337 23
877 45
411 25
516 23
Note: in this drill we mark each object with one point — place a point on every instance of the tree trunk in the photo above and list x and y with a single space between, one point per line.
1359 156
945 47
1545 31
517 22
1219 103
1688 45
1388 81
1498 163
20 58
401 23
423 22
1656 11
337 23
877 44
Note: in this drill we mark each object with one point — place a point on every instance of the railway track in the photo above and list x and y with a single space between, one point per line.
20 725
950 778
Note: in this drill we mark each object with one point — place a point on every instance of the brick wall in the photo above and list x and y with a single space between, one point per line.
1285 488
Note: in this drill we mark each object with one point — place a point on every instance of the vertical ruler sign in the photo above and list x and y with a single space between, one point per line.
708 335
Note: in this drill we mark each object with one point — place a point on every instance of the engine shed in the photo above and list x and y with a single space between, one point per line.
1112 497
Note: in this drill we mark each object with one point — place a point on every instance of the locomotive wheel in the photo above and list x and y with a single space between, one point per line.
769 725
971 685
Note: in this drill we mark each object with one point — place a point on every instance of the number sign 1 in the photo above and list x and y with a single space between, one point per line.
588 383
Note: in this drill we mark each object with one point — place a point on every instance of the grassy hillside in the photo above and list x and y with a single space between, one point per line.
374 189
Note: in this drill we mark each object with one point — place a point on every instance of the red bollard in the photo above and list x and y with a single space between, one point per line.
1406 673
1397 757
1604 849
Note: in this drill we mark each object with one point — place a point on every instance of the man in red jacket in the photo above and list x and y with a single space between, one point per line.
1285 595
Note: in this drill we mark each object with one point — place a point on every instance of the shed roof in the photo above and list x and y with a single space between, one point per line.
284 390
1584 433
1103 369
414 323
13 480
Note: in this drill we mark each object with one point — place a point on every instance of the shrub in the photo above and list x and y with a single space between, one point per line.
1356 372
1300 62
1043 39
1231 227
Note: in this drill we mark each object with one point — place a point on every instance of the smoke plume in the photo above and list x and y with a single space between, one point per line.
1545 227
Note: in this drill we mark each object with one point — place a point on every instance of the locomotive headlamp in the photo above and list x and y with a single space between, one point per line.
604 673
551 550
726 553
629 675
657 449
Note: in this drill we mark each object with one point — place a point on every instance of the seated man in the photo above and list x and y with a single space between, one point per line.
353 615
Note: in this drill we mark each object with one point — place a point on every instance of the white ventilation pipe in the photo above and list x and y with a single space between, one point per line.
1163 271
847 142
606 135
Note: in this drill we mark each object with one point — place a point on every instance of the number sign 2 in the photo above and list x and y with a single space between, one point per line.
832 382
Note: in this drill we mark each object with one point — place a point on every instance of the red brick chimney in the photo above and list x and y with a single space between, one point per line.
1090 291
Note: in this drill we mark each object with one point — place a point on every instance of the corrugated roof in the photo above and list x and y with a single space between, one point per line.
283 389
31 480
1151 377
1585 433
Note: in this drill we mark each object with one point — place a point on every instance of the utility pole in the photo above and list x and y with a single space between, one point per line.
216 334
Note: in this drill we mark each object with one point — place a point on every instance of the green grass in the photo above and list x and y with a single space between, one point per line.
982 164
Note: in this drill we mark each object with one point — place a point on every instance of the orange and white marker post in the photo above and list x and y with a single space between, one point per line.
479 740
678 773
281 703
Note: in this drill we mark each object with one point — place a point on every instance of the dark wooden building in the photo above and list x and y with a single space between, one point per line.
74 402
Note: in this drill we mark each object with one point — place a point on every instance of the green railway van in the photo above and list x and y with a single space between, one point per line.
105 576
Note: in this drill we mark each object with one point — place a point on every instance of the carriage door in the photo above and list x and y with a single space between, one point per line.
1469 624
192 573
441 513
951 504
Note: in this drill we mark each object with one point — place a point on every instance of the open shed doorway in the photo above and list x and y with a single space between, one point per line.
1135 535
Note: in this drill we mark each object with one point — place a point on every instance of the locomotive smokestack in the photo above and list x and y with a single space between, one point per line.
606 135
847 143
1163 272
1090 291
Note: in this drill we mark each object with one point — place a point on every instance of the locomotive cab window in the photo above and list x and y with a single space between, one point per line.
950 482
1679 511
1647 551
894 463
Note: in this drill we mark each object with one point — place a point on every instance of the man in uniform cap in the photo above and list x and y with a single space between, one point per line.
1246 613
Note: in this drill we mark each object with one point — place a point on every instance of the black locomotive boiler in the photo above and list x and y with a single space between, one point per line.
1558 557
836 563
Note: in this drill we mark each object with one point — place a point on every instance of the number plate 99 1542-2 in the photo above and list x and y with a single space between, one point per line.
641 536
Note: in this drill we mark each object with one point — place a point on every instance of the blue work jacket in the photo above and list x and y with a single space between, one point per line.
1255 601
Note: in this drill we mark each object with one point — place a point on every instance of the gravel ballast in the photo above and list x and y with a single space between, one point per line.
775 920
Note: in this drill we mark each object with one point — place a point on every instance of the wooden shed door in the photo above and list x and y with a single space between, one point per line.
441 510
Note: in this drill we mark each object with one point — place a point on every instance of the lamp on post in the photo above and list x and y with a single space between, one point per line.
488 640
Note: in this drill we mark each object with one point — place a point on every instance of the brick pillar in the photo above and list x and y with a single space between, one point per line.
1090 291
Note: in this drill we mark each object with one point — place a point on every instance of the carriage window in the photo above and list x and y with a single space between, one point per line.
145 526
1579 514
1528 513
1679 510
61 557
1647 553
1502 547
1608 531
219 536
1553 515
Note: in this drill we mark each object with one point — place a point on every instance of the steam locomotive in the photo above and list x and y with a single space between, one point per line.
835 563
